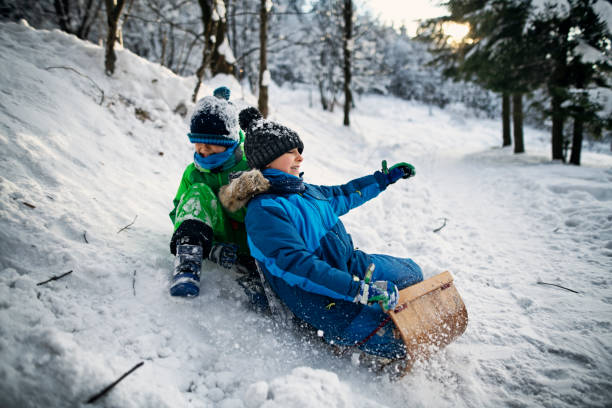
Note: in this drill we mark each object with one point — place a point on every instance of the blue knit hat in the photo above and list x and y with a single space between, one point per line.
215 120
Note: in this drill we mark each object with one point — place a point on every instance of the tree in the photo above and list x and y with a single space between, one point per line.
167 32
264 74
113 12
326 52
506 135
493 53
575 47
347 48
77 16
216 53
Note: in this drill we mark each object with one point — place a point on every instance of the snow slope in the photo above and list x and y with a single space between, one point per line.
84 155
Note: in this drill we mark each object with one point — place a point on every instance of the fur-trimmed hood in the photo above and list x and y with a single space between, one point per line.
241 189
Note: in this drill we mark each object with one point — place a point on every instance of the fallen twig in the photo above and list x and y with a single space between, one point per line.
559 286
443 225
83 75
28 204
110 387
85 237
134 282
54 278
129 225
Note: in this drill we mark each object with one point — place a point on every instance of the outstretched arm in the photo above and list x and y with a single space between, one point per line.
345 197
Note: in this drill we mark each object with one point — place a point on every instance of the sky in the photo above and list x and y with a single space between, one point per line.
405 12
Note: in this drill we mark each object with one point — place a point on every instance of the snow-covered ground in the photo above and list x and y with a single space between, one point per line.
82 156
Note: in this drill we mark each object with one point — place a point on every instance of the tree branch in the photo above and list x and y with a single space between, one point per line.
129 225
54 278
113 384
83 75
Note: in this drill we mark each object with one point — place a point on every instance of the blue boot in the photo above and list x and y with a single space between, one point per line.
187 265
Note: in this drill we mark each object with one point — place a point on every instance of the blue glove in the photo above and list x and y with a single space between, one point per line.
398 171
384 293
224 254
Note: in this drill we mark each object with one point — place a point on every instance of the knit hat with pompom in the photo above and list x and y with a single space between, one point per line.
266 140
214 120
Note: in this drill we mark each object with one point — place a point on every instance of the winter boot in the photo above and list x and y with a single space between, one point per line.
187 265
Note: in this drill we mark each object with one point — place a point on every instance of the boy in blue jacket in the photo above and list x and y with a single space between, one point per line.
303 249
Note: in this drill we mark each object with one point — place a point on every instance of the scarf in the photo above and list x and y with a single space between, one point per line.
283 183
225 159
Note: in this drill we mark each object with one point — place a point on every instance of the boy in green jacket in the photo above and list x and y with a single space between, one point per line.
202 227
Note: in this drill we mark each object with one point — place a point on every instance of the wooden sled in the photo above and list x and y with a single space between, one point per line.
429 315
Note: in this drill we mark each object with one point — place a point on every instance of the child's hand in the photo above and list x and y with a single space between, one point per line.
224 254
398 171
384 293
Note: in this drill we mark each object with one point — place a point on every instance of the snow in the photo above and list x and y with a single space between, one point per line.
75 172
604 9
226 51
265 79
588 53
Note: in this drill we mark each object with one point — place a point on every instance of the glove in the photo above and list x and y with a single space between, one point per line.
224 254
384 293
398 171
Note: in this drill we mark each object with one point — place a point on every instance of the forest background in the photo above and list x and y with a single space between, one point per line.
546 63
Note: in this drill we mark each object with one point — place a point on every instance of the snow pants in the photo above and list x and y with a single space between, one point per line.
403 272
199 202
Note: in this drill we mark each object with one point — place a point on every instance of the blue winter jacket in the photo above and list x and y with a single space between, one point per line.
307 256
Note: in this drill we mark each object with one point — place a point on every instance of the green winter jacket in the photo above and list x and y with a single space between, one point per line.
232 228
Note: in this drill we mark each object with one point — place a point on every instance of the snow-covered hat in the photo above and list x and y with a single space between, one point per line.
214 120
266 140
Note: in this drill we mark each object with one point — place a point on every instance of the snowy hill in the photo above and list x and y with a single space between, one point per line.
88 169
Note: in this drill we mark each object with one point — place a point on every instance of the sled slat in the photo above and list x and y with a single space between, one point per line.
429 316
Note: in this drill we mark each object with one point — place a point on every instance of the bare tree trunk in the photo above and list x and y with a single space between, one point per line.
220 64
324 102
348 46
577 141
231 22
62 10
76 21
517 119
113 11
89 17
164 43
264 75
557 129
507 138
207 9
214 35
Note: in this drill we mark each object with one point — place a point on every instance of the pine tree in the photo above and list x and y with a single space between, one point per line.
493 53
574 47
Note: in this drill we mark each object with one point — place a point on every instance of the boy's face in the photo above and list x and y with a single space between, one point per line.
206 150
289 162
